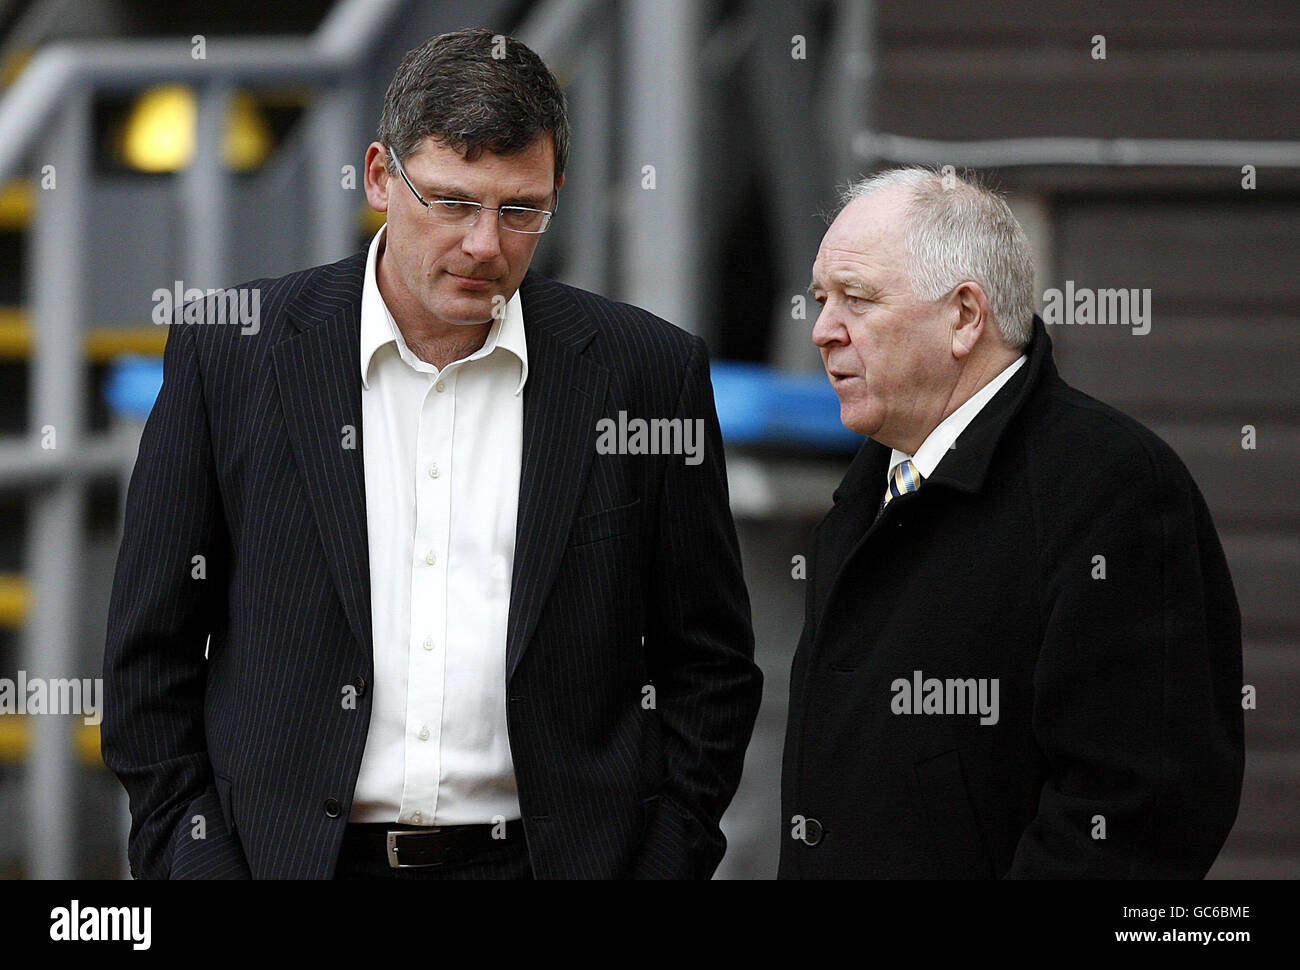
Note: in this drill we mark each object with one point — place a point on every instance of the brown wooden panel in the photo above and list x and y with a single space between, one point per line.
1267 819
974 94
1206 253
1234 863
1273 669
1241 486
1151 24
1188 363
1266 575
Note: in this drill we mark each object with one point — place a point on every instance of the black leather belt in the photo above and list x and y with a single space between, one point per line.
411 847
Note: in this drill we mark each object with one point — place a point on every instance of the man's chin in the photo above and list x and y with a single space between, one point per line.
466 311
854 421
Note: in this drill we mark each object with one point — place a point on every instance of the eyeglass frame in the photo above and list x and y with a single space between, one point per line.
548 214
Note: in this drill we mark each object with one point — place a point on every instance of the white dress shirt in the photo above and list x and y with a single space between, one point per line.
443 453
945 434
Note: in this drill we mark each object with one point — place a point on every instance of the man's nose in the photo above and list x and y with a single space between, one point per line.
483 239
827 329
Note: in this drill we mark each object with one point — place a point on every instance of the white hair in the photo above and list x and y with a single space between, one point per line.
959 230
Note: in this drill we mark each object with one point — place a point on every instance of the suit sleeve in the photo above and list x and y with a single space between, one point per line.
1137 689
165 603
699 646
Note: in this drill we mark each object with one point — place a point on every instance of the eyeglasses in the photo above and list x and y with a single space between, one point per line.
463 214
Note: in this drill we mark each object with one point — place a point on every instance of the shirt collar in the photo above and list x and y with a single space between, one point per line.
938 441
378 327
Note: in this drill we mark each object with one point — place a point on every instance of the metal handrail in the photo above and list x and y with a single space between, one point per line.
1006 152
49 107
347 34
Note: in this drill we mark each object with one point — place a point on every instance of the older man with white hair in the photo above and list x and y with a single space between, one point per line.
1021 653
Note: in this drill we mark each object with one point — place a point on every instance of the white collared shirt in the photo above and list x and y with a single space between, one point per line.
945 434
443 453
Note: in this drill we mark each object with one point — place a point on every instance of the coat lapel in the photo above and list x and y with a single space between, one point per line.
966 466
849 520
318 374
562 402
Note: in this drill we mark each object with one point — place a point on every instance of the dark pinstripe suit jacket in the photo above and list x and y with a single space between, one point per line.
244 461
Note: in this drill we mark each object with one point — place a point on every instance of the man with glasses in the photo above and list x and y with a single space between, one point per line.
438 633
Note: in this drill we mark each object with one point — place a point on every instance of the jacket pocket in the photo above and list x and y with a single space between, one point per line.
212 852
960 852
604 524
223 795
649 806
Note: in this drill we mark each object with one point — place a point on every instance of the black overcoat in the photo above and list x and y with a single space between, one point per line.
1061 550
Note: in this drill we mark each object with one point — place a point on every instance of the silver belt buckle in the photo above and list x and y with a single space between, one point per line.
391 843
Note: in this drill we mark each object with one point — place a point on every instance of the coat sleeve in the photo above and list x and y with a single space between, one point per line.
1137 688
165 603
699 647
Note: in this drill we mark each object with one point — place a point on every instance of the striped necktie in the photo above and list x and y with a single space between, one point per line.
905 479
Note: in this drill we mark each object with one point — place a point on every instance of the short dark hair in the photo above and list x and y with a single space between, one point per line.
474 91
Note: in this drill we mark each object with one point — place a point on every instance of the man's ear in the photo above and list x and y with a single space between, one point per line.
971 307
377 177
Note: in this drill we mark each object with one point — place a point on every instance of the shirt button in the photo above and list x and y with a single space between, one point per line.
433 471
440 387
428 643
430 557
812 832
416 818
424 734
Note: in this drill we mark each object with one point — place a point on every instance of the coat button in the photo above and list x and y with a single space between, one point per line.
332 808
812 831
361 686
